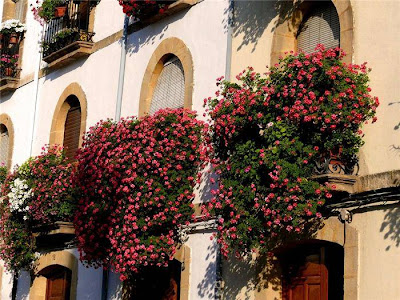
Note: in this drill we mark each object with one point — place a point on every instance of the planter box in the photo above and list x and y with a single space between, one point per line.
69 54
173 8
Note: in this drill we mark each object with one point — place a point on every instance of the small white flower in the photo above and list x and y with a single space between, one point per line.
270 124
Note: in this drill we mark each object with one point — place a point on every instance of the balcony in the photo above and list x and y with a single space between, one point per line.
337 173
68 36
9 52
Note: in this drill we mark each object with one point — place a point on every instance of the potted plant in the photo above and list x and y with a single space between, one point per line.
8 64
13 29
48 10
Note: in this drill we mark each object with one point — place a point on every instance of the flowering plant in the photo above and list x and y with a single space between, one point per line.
136 179
3 173
269 132
39 192
45 11
136 8
11 26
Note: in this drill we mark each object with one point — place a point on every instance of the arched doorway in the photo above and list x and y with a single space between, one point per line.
312 270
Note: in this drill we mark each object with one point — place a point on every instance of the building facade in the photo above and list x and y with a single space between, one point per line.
173 60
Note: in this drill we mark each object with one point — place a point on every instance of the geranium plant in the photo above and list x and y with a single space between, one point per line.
37 193
136 180
8 65
268 134
45 11
136 8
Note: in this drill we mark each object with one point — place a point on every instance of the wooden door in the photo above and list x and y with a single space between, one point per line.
310 283
58 285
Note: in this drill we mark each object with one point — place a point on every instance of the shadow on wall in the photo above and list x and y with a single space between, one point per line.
391 226
245 276
251 19
395 148
208 288
23 286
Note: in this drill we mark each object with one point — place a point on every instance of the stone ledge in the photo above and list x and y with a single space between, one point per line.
55 229
68 54
8 85
342 183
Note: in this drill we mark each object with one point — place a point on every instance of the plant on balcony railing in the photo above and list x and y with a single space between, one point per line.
48 10
269 132
139 8
37 193
62 38
136 179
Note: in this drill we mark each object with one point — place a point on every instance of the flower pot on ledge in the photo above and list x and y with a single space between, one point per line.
13 38
60 11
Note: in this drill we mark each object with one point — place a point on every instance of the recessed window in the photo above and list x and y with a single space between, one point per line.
170 88
72 128
320 26
4 145
58 282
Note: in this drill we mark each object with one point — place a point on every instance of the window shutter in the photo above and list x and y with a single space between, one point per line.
4 145
72 131
170 89
320 27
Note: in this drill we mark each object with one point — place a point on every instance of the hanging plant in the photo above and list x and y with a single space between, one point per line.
37 193
136 179
269 133
139 9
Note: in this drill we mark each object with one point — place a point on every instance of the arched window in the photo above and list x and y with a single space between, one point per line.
58 282
4 145
170 89
72 128
320 26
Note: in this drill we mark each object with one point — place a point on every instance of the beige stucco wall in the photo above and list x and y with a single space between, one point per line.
371 251
376 31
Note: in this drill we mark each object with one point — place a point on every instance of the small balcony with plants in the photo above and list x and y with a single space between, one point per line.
68 30
11 36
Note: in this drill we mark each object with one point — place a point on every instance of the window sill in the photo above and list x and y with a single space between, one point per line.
68 54
8 85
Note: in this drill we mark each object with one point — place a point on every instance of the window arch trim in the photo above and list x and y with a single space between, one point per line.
6 121
284 38
61 111
169 46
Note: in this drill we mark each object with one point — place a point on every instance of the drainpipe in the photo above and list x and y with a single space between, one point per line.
36 87
229 40
122 64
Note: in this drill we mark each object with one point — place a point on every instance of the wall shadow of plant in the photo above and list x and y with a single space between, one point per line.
252 18
208 287
391 226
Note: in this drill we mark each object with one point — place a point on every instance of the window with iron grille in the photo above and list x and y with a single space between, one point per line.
320 26
170 89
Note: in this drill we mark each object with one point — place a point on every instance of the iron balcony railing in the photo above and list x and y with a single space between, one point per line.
71 27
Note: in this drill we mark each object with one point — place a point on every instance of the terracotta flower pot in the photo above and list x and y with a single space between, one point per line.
8 72
13 38
60 11
336 156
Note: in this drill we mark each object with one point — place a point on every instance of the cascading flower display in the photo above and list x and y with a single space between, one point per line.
138 8
37 193
136 180
269 133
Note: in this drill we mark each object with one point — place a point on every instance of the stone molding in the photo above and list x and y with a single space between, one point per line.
60 114
6 121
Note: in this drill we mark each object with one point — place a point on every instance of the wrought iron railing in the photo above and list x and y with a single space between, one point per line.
334 165
9 54
71 27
